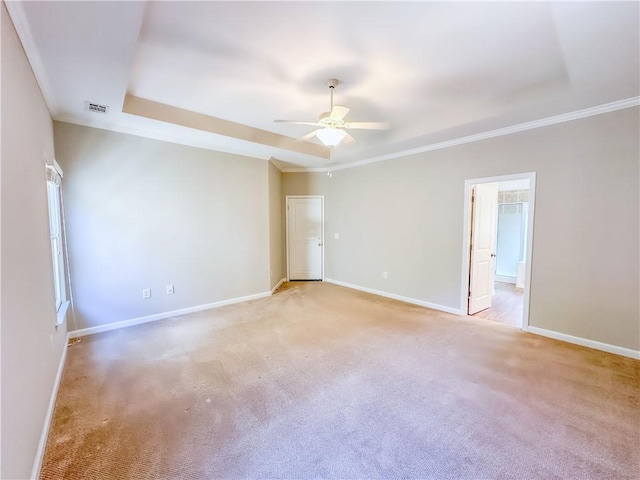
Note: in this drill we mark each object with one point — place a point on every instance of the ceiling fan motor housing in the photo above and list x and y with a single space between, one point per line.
326 120
332 82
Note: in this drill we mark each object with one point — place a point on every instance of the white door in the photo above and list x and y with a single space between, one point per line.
483 240
305 242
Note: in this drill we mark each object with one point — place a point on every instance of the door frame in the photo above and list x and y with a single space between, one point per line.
286 216
466 239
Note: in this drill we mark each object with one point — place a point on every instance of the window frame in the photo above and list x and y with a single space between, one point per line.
56 235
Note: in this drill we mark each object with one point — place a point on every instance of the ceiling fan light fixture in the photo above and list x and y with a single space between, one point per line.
332 127
330 137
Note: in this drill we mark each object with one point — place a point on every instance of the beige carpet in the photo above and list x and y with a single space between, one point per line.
320 381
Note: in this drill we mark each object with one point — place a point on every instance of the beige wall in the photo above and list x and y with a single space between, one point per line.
276 247
31 344
143 213
404 216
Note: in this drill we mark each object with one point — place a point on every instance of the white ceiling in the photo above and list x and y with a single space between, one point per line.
436 71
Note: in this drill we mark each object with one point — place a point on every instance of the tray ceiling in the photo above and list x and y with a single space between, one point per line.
435 71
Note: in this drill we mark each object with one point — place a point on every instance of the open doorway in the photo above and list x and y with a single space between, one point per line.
498 236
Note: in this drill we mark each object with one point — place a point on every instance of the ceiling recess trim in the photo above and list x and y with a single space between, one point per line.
152 135
521 127
187 118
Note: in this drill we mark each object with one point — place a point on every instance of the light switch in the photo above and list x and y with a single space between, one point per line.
336 236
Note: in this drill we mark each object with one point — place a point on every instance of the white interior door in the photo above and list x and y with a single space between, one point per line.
305 243
483 240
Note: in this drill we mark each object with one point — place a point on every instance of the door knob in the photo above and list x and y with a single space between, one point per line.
493 255
319 244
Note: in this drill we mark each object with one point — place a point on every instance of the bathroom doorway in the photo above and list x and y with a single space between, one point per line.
498 234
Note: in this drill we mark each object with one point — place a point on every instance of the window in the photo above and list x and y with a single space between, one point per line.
54 182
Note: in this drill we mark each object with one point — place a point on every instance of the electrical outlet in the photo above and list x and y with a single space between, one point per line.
146 293
384 275
169 289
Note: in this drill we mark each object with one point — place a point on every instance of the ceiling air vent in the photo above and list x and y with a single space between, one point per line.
97 108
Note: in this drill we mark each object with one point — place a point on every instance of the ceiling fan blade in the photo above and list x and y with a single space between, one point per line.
368 125
315 124
338 112
348 138
307 136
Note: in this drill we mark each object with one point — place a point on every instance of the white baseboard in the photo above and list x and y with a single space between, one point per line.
273 290
505 279
37 464
35 472
626 352
161 316
605 347
434 306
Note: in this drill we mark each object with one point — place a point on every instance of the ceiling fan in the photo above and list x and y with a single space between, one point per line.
333 128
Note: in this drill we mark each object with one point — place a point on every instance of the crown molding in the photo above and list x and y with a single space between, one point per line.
521 127
276 163
19 18
307 170
20 23
566 117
